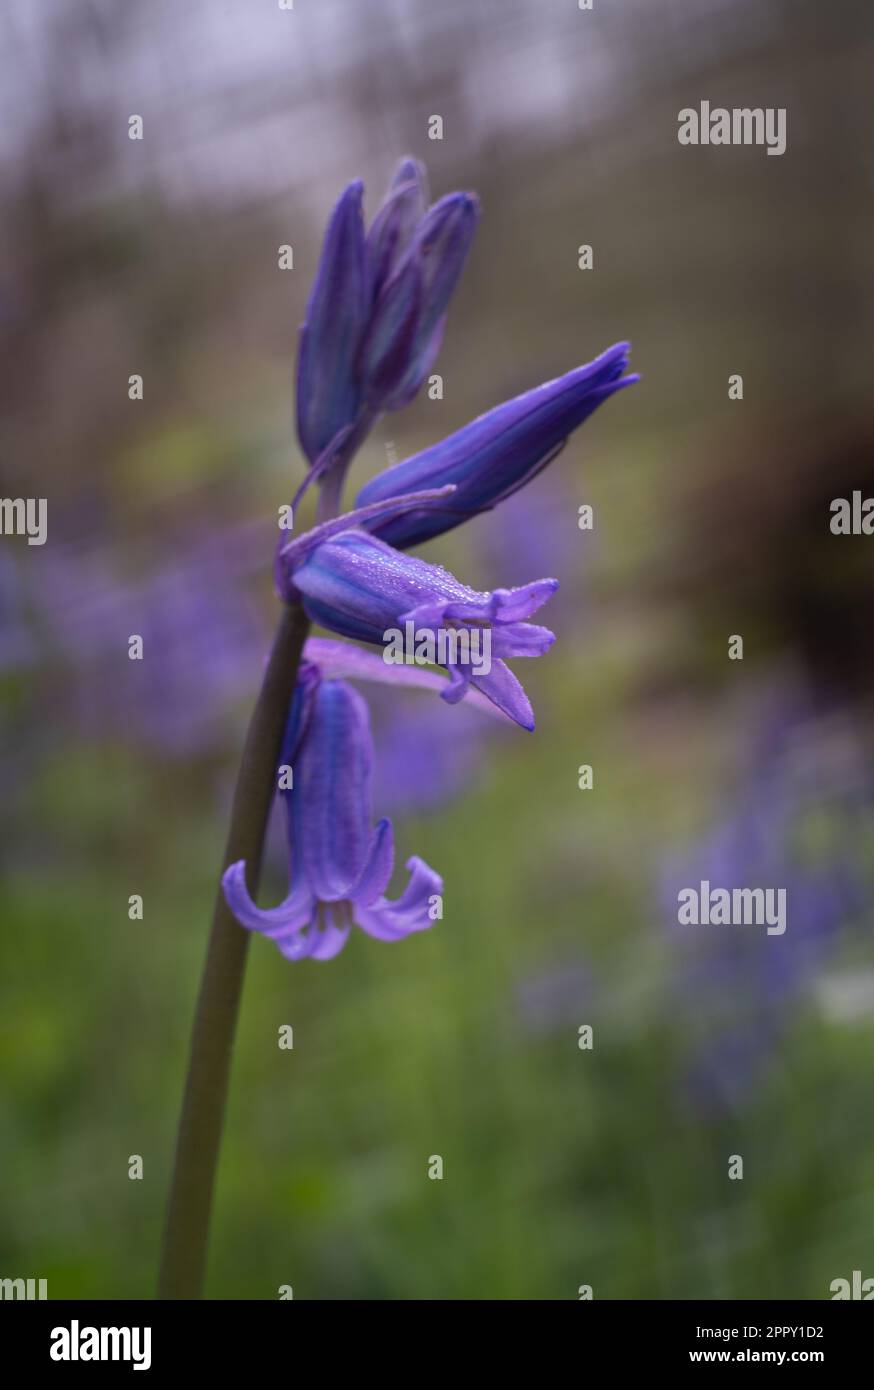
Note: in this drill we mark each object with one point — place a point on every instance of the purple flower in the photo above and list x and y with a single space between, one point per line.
373 326
17 642
328 389
202 629
340 864
496 454
738 986
392 228
409 314
340 661
358 586
375 316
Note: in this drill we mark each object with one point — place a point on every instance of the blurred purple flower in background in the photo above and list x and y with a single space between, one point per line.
202 631
427 753
734 987
556 996
18 648
537 533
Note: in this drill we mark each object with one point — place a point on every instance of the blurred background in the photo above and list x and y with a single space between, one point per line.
563 1167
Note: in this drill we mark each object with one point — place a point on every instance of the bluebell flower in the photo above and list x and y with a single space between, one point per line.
328 388
375 315
340 864
427 756
496 454
410 312
357 586
392 228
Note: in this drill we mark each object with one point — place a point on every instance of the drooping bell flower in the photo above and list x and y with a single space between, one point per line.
375 315
496 454
340 864
357 586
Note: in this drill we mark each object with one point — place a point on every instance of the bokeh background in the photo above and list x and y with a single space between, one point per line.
606 1167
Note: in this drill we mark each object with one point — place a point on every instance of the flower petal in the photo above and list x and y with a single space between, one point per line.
439 247
331 795
294 913
391 921
360 587
500 607
293 553
388 342
345 661
377 871
328 392
504 690
363 585
521 639
499 452
393 226
323 939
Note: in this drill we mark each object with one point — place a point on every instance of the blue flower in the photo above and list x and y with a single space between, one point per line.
392 228
496 454
340 865
409 313
375 315
328 389
356 585
373 326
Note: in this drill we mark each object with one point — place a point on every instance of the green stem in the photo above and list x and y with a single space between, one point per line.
200 1124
